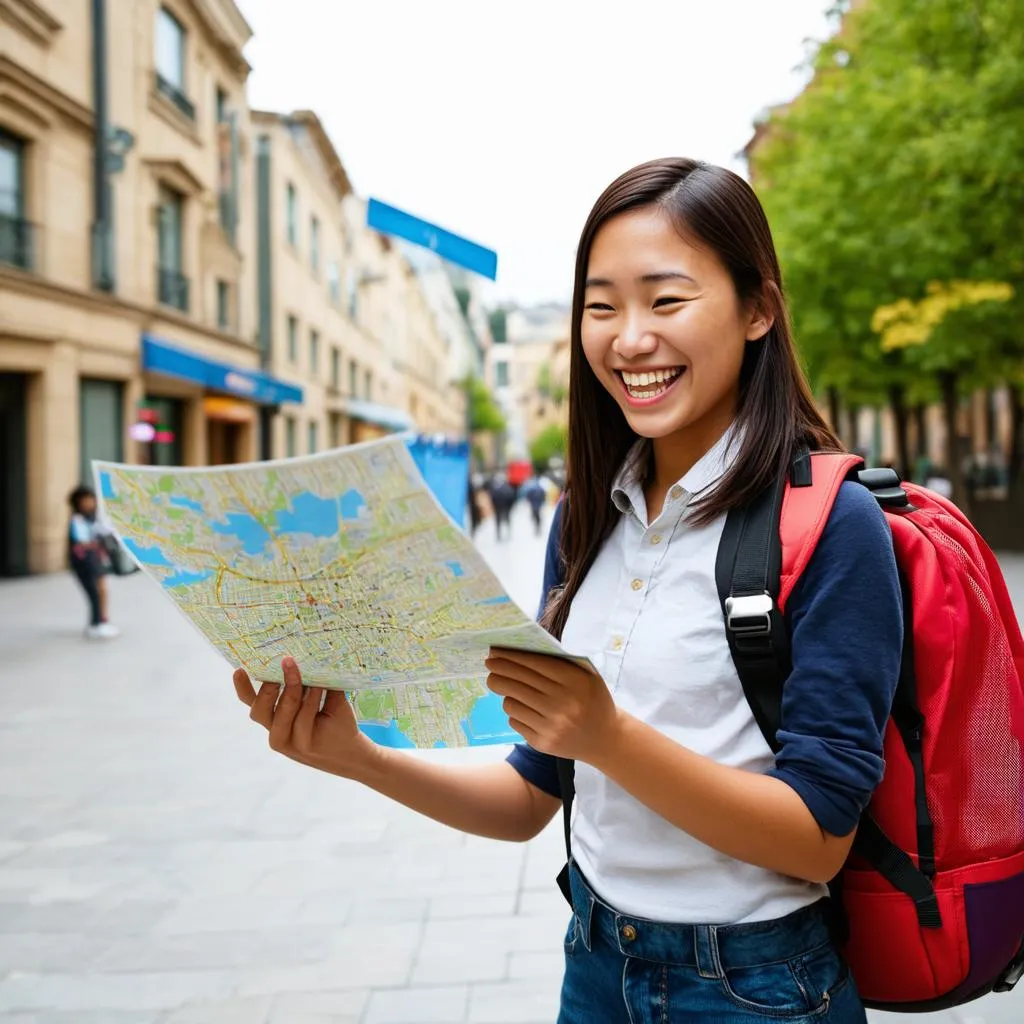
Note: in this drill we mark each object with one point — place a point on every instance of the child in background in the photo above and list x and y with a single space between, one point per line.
89 560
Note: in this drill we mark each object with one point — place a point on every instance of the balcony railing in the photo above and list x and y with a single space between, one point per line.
172 288
17 242
176 96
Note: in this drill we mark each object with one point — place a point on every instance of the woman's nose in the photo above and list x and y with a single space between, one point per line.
635 338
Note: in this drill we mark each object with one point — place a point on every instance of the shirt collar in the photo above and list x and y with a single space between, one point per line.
627 488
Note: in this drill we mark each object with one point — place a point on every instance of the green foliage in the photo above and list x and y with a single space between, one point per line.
499 325
898 169
485 416
546 445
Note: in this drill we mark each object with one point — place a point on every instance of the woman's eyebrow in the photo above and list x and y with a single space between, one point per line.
655 278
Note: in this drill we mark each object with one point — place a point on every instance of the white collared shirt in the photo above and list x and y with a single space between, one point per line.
648 615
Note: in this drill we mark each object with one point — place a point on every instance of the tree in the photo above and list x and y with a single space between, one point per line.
899 167
546 445
485 415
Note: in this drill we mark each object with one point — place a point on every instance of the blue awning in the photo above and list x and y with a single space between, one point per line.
160 357
386 416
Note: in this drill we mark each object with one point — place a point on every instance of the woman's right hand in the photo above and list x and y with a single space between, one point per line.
328 739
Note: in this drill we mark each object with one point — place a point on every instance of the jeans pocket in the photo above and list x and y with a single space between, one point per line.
798 989
571 935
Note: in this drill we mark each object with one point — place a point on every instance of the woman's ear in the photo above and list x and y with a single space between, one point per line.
761 318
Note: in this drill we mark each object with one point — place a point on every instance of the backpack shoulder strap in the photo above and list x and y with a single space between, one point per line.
765 547
804 513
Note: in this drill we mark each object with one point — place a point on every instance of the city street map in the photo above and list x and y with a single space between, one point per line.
345 561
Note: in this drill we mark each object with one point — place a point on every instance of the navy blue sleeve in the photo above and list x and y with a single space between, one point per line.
537 768
846 622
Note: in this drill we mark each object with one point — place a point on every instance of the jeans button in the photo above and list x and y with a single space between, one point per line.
628 933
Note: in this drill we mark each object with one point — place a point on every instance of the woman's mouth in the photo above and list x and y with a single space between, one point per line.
648 386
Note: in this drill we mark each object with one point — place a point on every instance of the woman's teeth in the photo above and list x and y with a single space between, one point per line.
648 385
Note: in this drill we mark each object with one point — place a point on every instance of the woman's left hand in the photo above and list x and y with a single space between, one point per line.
557 706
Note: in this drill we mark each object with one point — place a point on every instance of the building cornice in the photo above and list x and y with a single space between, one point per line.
143 316
32 19
12 74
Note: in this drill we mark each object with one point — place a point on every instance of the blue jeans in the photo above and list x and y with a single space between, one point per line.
627 970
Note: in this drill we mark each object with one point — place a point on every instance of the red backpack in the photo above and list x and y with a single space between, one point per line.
931 899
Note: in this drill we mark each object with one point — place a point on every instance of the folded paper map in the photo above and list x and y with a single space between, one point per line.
345 561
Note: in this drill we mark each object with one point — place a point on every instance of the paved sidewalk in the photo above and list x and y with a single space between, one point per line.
159 866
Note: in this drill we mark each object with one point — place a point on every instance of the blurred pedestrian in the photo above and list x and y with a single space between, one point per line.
89 542
503 497
535 496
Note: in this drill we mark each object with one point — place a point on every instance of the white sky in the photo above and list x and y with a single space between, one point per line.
504 122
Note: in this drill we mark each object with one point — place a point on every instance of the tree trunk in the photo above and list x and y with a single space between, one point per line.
834 409
852 416
1015 465
901 415
948 381
921 446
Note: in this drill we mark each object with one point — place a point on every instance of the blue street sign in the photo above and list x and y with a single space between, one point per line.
390 221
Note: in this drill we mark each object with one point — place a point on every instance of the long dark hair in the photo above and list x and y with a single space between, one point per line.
717 210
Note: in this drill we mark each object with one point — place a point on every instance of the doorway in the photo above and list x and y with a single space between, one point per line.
13 475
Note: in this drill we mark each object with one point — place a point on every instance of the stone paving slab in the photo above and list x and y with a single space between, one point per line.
158 865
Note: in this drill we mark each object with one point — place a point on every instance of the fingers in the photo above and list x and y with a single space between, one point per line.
525 693
288 705
525 716
243 687
513 670
546 668
305 719
335 703
262 708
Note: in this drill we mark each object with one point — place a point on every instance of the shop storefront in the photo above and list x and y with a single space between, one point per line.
370 420
201 411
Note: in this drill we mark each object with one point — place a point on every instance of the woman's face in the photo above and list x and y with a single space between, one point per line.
663 328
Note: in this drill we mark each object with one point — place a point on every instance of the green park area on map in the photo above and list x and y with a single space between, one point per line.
346 562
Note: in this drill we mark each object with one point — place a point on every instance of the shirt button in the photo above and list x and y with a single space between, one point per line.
628 933
616 643
676 493
637 584
656 539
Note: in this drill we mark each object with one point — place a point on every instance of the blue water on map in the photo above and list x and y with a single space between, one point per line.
184 578
310 514
106 487
501 599
456 568
352 504
186 503
253 534
488 721
387 735
149 556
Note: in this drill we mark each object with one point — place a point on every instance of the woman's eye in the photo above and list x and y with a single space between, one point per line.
601 307
668 301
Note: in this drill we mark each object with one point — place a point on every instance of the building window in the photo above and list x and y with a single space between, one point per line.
289 437
168 416
293 339
314 244
314 351
292 212
367 385
334 282
172 285
223 305
15 231
501 374
335 368
314 436
170 61
222 106
353 376
335 427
